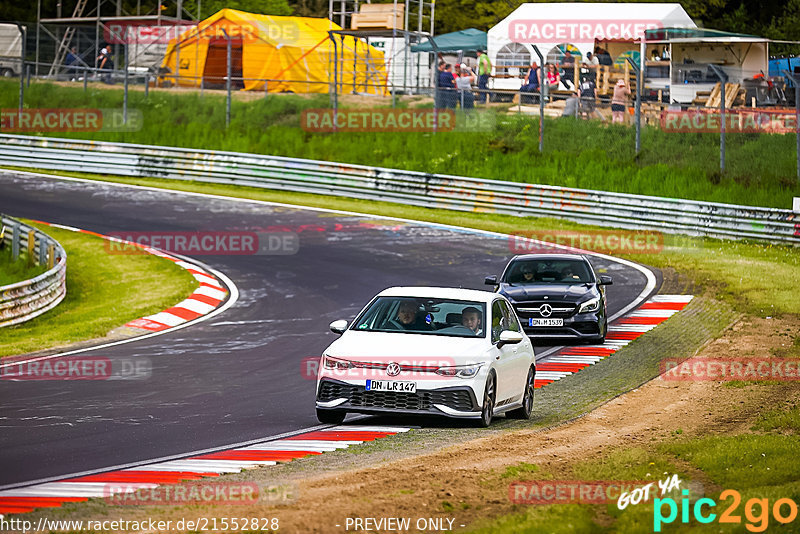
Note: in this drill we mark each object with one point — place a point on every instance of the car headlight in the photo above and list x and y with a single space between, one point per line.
336 363
590 305
461 371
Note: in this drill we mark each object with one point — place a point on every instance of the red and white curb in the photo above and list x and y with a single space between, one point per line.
621 332
205 299
211 294
82 488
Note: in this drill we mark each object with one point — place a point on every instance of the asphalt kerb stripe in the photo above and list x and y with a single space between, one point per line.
192 469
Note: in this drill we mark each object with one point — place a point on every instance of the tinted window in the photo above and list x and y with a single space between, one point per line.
548 271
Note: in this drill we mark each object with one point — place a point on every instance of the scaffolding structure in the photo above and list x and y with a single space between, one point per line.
417 14
91 21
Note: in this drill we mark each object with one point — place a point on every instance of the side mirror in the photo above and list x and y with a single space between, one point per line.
490 280
605 280
338 327
509 337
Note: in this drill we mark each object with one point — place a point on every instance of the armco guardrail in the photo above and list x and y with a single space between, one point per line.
415 188
25 300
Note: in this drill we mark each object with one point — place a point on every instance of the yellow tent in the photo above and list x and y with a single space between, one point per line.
291 53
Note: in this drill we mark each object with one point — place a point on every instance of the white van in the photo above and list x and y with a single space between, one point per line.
10 50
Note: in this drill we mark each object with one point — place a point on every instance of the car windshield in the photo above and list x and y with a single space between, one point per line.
416 315
548 271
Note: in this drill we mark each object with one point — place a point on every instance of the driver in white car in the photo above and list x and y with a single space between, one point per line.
471 318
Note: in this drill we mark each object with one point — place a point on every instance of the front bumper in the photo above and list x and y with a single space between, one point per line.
453 401
579 326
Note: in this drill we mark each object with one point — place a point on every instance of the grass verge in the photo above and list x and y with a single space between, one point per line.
583 154
104 291
758 465
13 271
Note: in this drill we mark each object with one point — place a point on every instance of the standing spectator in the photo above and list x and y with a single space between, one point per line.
484 71
447 88
619 102
553 78
439 99
72 61
568 64
592 60
464 86
588 91
533 81
105 63
456 72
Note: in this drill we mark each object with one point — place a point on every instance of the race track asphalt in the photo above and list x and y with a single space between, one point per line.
237 376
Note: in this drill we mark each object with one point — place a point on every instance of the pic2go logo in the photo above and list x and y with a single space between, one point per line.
756 511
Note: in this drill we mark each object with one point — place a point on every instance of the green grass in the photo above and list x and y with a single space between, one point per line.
758 466
584 154
13 271
104 291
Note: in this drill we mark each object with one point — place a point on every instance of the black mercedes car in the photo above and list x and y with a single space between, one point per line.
556 296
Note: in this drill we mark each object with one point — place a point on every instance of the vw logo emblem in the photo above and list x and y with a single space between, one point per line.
393 369
545 310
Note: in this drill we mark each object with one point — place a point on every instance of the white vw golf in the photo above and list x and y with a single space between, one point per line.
428 350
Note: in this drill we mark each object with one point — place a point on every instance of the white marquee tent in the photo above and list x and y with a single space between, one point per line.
548 25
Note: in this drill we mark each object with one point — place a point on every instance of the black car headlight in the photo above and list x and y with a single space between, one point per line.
591 305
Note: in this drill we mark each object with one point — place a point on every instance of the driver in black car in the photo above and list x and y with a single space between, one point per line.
527 273
471 318
408 317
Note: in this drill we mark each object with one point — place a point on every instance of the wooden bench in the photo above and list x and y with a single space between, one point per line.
378 16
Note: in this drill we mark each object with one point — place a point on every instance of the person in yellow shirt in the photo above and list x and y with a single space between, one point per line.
484 71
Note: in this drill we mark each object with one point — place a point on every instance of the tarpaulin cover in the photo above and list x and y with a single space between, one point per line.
296 54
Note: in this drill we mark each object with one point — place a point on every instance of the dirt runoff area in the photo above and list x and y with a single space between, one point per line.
468 476
454 487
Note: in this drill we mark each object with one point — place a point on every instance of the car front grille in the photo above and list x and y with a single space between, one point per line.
531 309
455 398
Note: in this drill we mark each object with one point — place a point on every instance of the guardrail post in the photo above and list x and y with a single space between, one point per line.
723 79
796 79
85 78
51 255
31 247
15 238
42 251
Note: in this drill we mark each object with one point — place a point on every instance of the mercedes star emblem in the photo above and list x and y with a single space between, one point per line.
545 310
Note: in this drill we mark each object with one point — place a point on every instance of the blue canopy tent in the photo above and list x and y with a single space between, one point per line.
468 40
